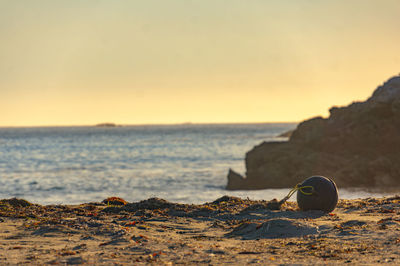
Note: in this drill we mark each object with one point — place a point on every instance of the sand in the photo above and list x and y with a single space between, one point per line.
228 230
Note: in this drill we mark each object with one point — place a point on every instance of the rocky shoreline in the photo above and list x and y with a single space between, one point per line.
357 145
227 230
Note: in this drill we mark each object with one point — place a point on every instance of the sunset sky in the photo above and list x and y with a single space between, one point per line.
205 61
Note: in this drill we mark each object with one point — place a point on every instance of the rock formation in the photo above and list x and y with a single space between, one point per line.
358 146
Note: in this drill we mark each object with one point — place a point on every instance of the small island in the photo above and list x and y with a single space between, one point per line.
107 125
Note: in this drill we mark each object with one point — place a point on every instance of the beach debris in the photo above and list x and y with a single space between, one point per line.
317 193
15 202
151 204
227 199
225 205
114 201
274 205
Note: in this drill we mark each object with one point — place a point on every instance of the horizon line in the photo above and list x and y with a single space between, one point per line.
149 124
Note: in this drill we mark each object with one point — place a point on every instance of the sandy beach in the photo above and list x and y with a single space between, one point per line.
227 230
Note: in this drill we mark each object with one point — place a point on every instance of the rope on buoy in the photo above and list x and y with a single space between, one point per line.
297 188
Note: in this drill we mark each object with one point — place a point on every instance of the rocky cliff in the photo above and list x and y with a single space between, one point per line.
358 146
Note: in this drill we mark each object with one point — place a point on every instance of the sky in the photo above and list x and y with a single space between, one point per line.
199 61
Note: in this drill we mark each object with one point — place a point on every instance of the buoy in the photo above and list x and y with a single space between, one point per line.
317 193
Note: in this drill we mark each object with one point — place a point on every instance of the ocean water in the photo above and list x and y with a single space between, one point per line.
181 163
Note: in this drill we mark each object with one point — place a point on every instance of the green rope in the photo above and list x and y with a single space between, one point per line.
297 188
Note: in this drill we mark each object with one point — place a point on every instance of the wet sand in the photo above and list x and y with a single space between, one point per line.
228 230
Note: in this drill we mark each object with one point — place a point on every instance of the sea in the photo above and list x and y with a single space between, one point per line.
186 163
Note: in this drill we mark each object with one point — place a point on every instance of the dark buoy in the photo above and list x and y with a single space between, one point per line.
317 193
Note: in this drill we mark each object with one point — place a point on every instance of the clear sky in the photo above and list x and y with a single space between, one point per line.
169 61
